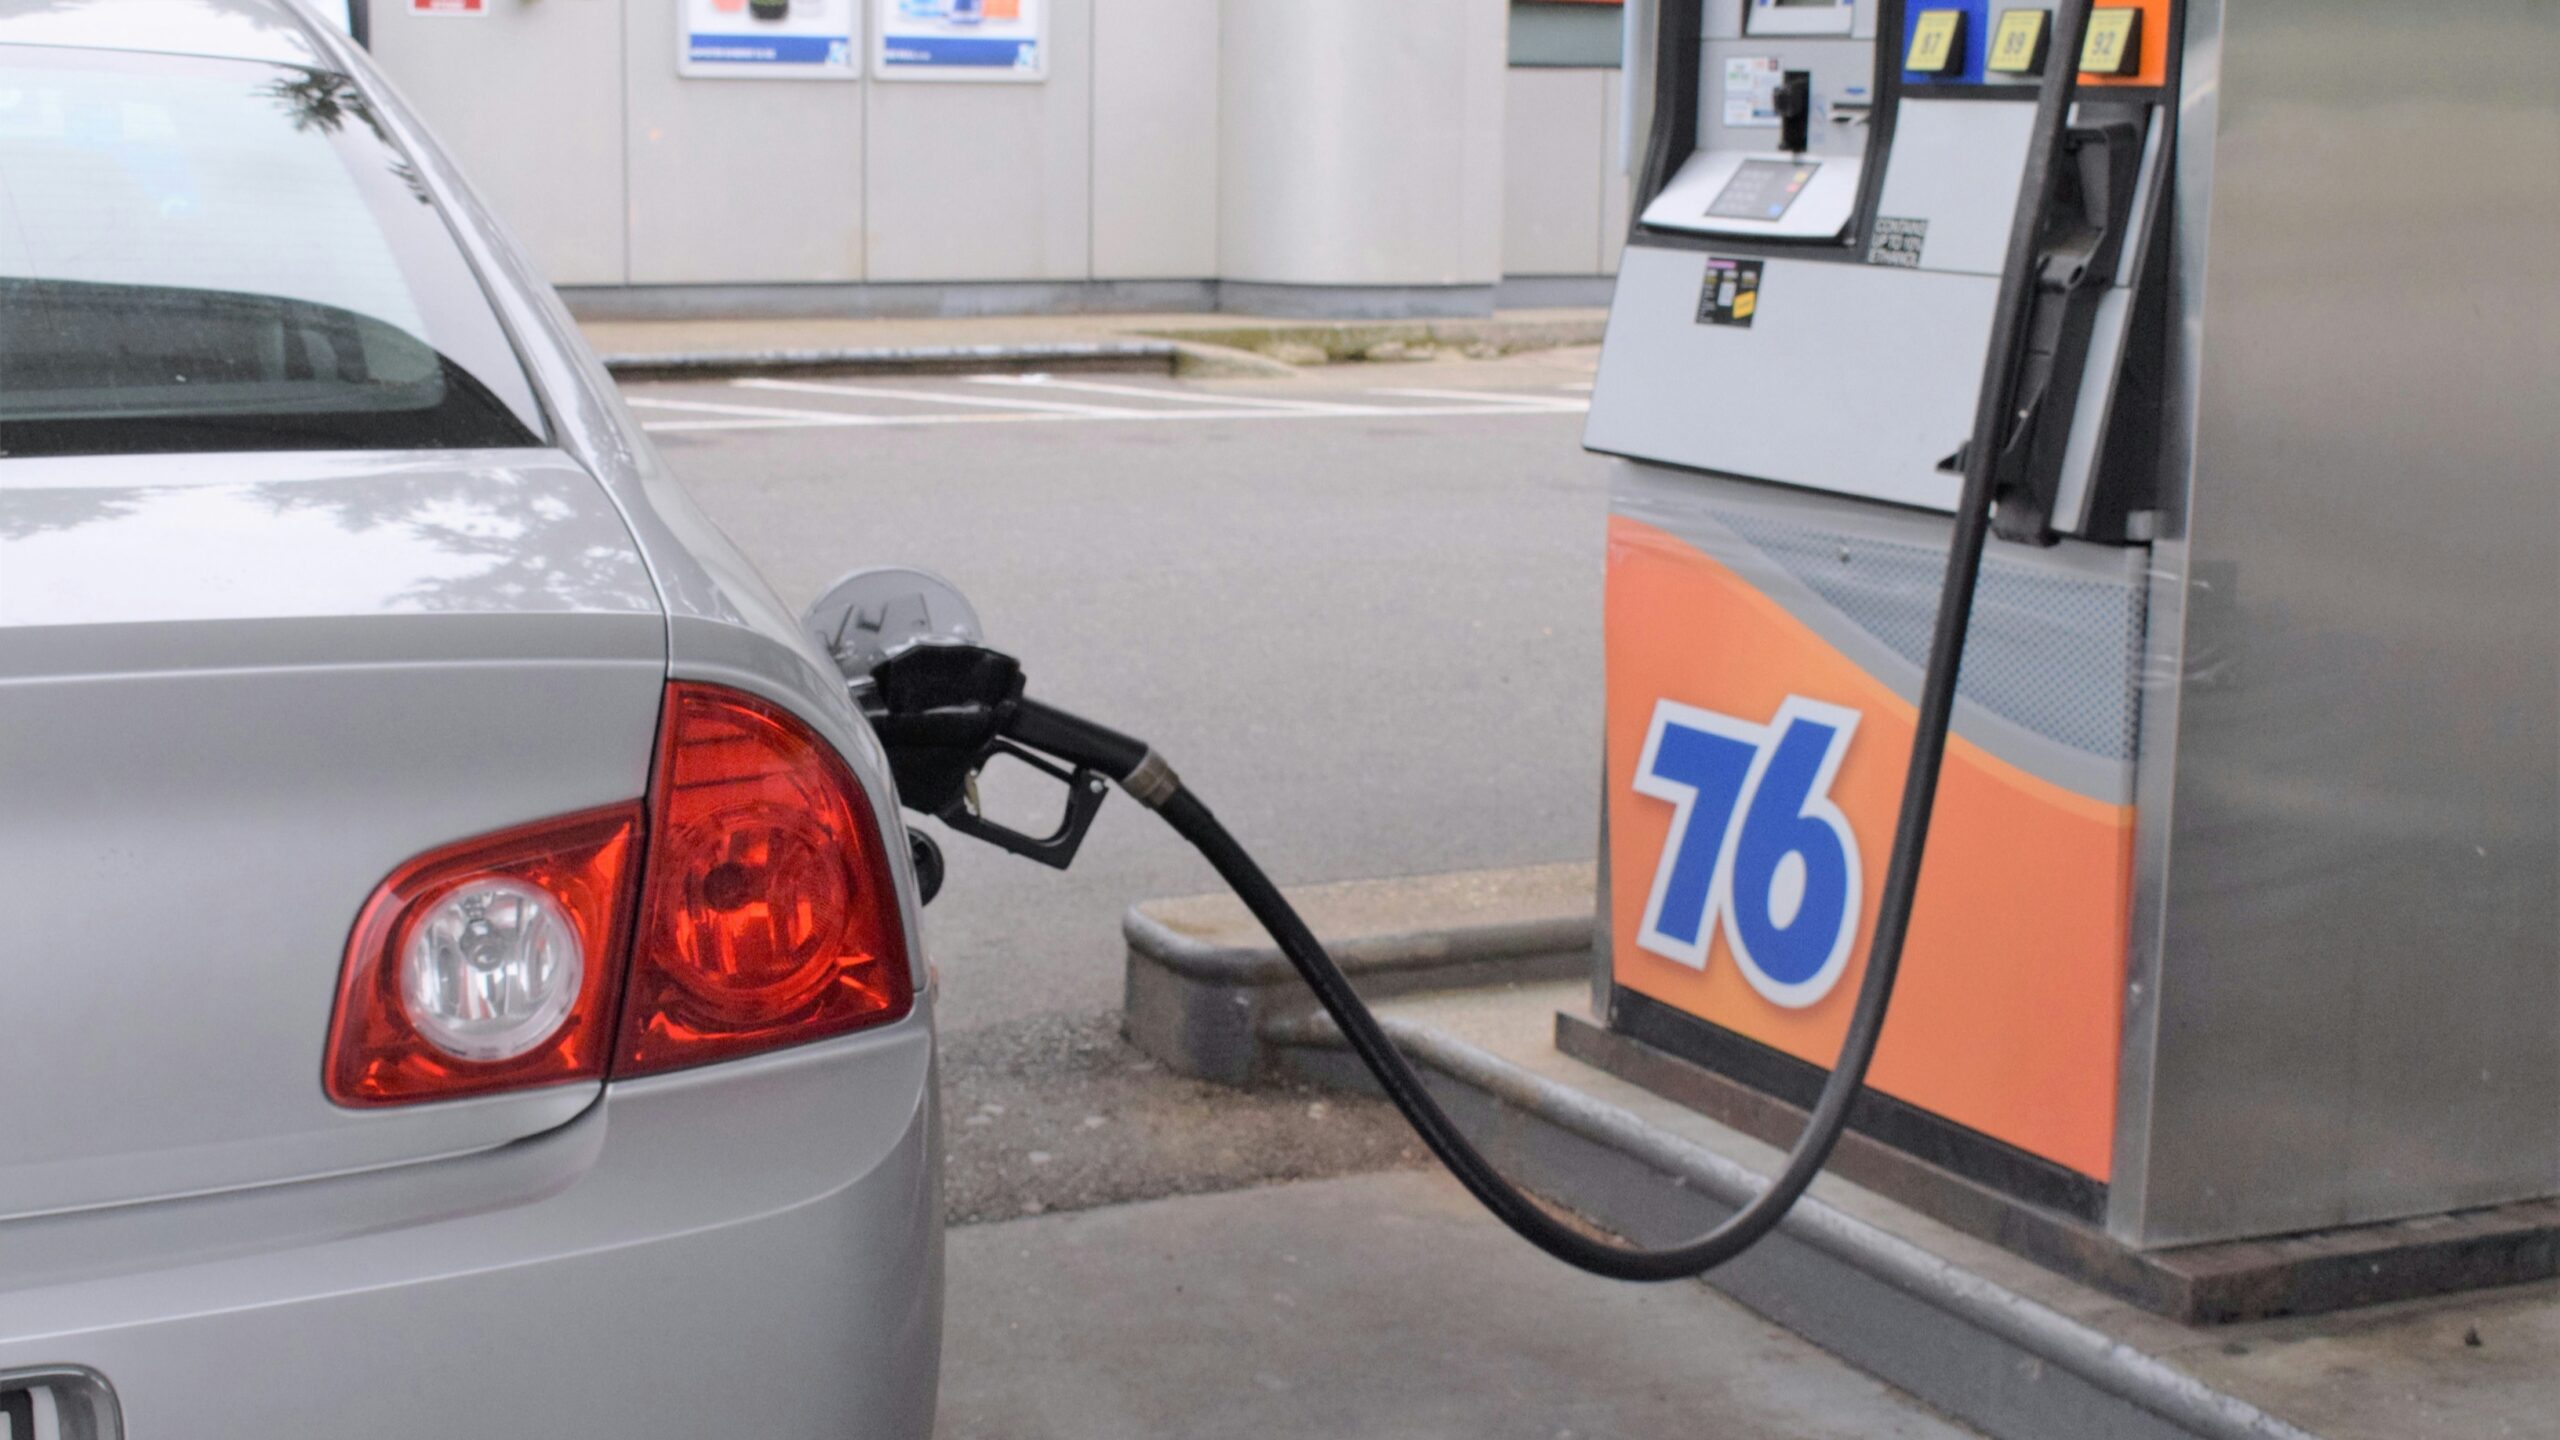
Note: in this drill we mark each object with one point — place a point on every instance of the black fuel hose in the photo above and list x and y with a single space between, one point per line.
1996 422
1152 781
1147 778
1526 1216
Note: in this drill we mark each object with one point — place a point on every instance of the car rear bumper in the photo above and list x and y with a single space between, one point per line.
746 1249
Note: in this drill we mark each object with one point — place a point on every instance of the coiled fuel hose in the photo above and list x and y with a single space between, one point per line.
1152 782
1149 779
1998 426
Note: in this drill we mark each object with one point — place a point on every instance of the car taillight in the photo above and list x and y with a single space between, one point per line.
760 912
490 964
769 916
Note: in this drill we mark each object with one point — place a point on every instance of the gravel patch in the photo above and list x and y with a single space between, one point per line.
1059 1113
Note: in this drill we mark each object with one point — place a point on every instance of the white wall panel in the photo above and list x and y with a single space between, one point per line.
984 181
1361 142
1155 139
737 181
1555 122
527 96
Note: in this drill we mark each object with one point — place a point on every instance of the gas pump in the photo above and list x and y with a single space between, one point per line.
1862 269
2142 686
1794 376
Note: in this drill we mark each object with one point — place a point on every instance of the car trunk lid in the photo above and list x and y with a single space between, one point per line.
236 691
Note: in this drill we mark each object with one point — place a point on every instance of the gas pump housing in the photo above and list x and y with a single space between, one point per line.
2137 997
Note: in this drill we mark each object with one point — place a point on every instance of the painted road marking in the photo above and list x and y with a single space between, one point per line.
934 397
766 412
707 415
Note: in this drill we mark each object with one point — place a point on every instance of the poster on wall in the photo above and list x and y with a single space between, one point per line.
962 40
769 39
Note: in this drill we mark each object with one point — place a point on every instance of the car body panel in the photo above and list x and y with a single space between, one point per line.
753 1246
231 702
657 1267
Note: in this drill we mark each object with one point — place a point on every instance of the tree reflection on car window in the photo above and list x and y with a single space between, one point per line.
202 255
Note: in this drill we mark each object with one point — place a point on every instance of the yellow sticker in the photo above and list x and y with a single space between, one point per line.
1745 303
2112 44
2017 47
1933 42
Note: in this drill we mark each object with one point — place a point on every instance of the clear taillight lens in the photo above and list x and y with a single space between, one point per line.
488 964
770 917
491 970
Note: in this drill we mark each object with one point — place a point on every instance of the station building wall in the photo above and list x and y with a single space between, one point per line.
1323 156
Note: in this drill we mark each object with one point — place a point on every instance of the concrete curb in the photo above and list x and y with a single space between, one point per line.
1389 340
1202 1007
1978 1350
1158 356
1243 349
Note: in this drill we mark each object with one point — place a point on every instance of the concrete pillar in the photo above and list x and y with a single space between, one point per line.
1360 155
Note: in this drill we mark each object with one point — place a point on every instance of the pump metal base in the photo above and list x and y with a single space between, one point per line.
1939 1325
2305 1274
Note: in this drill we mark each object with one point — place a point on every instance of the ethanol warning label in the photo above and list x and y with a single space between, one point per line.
1897 242
1732 292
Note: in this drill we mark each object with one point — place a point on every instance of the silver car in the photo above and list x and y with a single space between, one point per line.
458 961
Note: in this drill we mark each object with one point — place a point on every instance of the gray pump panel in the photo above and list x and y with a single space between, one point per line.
1817 316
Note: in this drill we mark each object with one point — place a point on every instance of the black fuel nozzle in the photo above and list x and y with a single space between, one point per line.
1795 111
943 711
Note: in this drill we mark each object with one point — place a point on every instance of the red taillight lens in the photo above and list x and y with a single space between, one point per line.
490 964
769 916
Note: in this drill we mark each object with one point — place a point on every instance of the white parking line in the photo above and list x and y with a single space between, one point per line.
851 422
937 397
717 416
1090 387
766 412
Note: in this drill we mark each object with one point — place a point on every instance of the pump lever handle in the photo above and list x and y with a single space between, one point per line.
1086 790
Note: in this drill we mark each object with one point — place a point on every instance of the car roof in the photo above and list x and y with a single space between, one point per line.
268 30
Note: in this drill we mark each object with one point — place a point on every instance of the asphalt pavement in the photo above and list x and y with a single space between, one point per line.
1358 610
1383 1306
1357 607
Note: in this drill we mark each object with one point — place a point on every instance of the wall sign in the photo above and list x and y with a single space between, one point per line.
962 40
769 39
448 7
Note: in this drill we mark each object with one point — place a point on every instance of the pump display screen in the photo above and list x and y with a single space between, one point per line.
1762 189
1799 17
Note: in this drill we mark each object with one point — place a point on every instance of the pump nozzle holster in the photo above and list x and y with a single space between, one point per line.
2084 235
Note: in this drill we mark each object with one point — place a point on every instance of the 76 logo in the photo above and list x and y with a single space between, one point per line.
1756 844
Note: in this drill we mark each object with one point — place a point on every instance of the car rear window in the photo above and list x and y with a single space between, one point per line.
226 255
